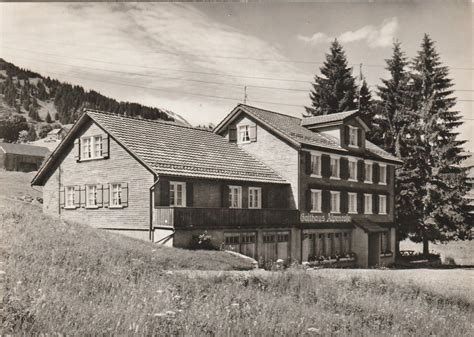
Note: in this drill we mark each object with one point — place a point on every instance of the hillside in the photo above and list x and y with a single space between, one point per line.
29 101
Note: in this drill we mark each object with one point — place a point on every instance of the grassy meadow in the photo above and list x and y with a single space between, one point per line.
61 278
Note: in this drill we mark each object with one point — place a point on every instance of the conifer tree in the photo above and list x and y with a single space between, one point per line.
365 103
335 90
31 136
439 207
48 118
393 104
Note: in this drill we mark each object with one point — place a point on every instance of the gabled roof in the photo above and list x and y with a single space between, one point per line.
170 149
323 119
23 149
290 129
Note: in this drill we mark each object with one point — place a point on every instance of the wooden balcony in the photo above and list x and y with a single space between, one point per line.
190 217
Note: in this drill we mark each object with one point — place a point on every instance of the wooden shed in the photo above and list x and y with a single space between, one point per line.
22 157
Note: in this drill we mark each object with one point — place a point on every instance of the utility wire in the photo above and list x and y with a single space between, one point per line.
224 56
238 85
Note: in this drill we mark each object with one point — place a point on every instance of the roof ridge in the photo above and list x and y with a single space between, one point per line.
171 123
334 113
271 111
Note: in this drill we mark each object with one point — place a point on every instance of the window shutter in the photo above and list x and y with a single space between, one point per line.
325 165
360 170
105 195
389 173
344 202
326 201
245 197
225 196
189 194
375 173
375 203
77 196
308 200
307 162
82 198
387 203
61 197
100 197
360 137
77 149
124 194
360 203
105 146
346 134
232 134
164 192
264 196
344 163
253 132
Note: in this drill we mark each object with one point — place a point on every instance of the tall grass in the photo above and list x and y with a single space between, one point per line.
73 280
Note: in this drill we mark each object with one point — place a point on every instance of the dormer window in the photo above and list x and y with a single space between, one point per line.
244 134
353 136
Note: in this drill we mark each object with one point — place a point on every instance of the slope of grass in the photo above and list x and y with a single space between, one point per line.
17 184
69 279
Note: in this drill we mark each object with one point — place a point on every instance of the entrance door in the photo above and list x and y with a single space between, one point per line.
374 249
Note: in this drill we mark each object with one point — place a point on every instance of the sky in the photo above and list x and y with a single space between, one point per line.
197 58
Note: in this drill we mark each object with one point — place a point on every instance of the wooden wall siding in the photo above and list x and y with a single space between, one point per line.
119 167
275 153
344 186
215 193
231 218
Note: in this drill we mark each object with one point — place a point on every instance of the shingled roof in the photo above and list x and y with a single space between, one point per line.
323 119
171 149
24 149
290 127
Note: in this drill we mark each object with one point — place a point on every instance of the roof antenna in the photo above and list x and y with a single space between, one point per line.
245 94
360 85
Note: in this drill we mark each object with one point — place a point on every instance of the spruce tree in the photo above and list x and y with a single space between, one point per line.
392 107
48 118
31 134
436 153
365 103
335 90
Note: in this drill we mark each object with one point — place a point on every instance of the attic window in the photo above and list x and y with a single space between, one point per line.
92 147
353 136
244 134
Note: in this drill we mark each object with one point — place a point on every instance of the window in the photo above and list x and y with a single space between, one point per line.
235 196
115 195
255 197
384 243
91 196
382 174
368 203
244 134
316 164
352 203
334 167
368 172
316 201
335 206
353 136
91 147
382 204
69 197
177 194
352 169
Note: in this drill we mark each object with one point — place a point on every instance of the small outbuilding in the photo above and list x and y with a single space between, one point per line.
22 157
56 134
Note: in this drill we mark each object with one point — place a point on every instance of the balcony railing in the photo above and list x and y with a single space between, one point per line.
181 217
